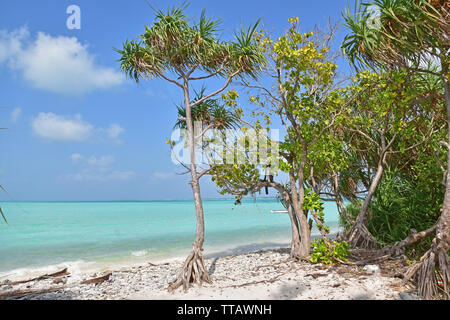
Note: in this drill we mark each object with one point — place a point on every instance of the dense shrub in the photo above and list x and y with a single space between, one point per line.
402 203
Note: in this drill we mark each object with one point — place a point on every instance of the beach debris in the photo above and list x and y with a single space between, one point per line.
161 264
7 281
335 285
98 279
61 273
373 268
18 294
256 282
60 280
316 275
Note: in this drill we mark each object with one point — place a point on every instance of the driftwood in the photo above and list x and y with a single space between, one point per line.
98 279
61 273
160 264
256 282
316 275
17 294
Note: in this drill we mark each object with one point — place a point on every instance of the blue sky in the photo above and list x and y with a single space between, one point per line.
77 128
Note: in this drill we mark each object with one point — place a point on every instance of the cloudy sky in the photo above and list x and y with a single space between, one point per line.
77 128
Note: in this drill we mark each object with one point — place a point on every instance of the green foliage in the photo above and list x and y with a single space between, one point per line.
211 112
313 202
178 44
324 250
330 252
402 203
401 33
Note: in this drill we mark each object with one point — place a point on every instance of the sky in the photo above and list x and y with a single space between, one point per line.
77 128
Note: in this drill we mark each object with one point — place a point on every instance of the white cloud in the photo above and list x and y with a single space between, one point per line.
11 43
162 175
120 175
75 157
65 128
90 175
15 114
114 131
50 126
103 161
56 64
97 168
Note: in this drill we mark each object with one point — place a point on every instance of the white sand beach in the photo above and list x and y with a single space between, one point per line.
263 274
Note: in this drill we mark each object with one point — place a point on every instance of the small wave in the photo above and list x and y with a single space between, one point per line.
139 253
74 267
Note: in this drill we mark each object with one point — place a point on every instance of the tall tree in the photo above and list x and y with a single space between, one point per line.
303 97
4 190
181 52
391 111
412 35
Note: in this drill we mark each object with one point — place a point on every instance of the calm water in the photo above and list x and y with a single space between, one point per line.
41 234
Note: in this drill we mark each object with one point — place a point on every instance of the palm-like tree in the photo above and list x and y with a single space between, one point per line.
4 190
181 52
1 211
411 35
211 113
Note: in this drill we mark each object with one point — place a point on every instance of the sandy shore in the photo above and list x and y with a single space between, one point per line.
263 274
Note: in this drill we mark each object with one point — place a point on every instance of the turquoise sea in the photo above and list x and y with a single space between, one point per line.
41 235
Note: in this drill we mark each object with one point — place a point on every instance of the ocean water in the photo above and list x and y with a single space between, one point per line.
48 235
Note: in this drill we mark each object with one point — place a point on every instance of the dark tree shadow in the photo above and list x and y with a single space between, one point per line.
288 291
212 267
250 248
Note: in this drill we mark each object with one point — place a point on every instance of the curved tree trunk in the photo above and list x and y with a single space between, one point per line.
193 269
296 252
359 235
296 240
297 203
437 256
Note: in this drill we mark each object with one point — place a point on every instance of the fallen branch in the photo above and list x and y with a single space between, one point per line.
160 264
61 273
255 282
316 275
97 280
273 264
17 294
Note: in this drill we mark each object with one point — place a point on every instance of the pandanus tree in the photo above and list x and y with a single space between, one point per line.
182 51
394 115
4 190
412 35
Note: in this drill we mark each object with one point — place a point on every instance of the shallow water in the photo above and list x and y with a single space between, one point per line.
77 234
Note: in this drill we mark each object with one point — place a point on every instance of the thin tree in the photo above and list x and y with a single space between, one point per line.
412 35
298 89
181 52
4 190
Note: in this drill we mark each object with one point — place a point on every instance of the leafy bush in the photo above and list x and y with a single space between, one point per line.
402 203
327 253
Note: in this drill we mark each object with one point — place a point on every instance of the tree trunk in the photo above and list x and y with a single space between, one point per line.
296 252
359 235
437 256
297 203
193 269
339 202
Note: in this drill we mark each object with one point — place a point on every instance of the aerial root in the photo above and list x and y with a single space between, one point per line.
193 271
426 277
361 237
